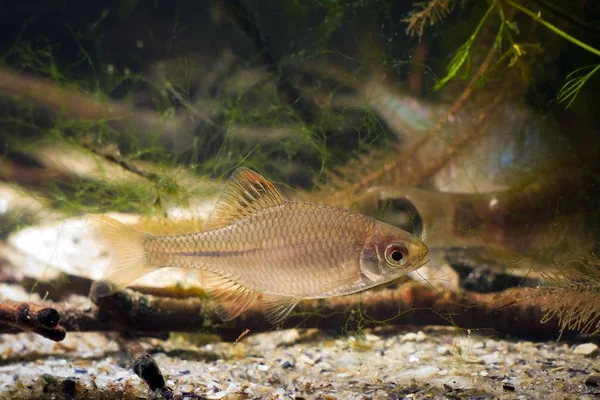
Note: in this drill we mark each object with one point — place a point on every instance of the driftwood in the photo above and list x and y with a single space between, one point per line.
519 311
33 318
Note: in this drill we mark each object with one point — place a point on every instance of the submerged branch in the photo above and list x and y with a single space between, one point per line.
33 318
517 311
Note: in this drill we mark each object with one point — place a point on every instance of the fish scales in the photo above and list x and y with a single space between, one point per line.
300 247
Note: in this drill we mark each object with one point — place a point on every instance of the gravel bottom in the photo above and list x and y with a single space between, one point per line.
437 363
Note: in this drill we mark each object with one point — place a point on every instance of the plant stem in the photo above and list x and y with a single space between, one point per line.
537 17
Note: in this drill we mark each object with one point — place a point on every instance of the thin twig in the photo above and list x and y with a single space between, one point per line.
538 17
558 11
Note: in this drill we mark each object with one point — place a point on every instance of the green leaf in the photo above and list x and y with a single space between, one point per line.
456 63
574 83
463 52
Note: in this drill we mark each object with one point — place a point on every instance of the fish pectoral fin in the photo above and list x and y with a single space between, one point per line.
232 298
331 286
278 307
244 193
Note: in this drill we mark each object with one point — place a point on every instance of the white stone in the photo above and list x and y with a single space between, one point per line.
409 337
421 336
586 349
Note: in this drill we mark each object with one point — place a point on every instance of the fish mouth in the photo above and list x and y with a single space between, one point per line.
420 262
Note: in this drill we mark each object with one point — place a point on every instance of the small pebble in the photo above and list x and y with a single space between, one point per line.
459 382
493 358
371 338
409 337
290 336
508 387
421 337
593 380
349 359
586 349
306 359
425 372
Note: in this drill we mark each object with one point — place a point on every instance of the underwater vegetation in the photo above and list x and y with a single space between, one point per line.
469 125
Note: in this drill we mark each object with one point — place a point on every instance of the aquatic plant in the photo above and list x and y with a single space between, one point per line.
435 10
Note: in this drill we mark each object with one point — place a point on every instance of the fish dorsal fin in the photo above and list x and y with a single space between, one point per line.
233 298
278 307
245 193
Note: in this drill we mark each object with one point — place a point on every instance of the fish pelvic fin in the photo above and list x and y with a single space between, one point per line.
232 298
245 193
278 307
129 258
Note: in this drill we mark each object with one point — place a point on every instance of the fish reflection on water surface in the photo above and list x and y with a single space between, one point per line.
256 243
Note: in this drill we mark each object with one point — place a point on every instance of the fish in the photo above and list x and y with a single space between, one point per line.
256 244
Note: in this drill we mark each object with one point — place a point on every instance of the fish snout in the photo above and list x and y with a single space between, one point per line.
418 252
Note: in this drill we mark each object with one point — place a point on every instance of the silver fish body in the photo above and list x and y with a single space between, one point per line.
259 244
299 249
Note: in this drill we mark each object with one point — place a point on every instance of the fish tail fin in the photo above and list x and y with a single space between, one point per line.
129 257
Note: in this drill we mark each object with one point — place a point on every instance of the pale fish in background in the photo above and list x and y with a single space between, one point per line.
256 243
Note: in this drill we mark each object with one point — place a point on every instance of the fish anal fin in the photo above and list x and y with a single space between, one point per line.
232 298
278 307
244 193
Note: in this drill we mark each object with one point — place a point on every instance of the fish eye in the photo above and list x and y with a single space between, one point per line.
396 254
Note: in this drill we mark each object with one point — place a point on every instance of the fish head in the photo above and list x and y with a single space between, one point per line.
390 253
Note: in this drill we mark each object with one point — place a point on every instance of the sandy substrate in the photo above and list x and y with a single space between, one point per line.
437 363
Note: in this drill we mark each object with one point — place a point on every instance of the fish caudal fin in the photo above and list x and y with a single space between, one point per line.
277 307
129 259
